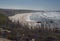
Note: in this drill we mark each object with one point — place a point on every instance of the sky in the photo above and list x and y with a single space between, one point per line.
30 4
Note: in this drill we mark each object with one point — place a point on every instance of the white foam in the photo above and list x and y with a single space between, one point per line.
33 17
